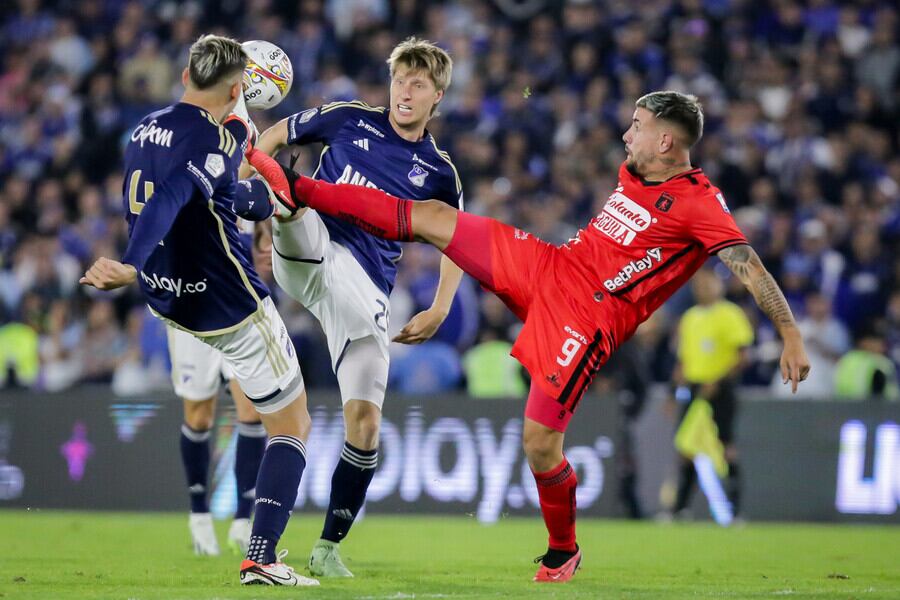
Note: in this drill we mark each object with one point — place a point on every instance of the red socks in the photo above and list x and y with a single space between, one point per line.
369 209
556 489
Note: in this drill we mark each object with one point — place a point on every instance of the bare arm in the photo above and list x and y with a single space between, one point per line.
747 266
451 275
426 323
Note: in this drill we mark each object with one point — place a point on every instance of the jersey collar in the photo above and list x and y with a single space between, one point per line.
426 137
689 173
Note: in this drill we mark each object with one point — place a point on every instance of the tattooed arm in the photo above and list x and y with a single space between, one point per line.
747 266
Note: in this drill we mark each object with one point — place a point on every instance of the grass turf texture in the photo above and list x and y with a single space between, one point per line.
50 555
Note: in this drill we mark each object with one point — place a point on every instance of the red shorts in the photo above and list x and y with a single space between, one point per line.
561 344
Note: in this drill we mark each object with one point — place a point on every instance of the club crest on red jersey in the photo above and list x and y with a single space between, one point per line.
664 202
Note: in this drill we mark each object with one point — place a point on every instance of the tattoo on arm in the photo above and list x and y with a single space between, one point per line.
747 266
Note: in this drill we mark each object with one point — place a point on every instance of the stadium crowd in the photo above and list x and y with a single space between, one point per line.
802 135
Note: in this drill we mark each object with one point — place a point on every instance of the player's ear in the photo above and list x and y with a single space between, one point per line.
185 77
438 96
666 141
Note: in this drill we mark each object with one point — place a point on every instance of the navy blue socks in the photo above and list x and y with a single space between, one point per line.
276 491
195 456
351 479
251 444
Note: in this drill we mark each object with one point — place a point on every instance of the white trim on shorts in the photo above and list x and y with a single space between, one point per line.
263 359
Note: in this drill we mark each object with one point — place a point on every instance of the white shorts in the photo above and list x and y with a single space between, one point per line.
325 277
197 367
262 357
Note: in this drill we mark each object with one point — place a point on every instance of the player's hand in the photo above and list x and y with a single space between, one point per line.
108 274
421 327
281 180
794 362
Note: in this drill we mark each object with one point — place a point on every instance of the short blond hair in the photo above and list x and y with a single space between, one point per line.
423 55
214 58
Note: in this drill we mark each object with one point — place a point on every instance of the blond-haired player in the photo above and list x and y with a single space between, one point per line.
344 274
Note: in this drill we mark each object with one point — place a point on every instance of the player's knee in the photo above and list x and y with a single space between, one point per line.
293 420
362 420
199 415
541 449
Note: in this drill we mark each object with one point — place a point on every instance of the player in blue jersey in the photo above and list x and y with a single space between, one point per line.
182 198
344 275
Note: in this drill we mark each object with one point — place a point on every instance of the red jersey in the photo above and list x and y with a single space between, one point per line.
581 300
648 240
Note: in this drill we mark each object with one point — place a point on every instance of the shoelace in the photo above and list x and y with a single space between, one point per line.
280 559
539 559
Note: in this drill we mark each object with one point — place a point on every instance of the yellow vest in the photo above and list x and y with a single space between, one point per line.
710 339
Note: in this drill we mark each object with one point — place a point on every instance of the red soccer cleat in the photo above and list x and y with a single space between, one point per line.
561 574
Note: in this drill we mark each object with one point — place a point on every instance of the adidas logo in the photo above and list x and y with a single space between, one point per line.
362 143
197 488
343 513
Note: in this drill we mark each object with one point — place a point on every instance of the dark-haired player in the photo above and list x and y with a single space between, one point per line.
581 300
183 198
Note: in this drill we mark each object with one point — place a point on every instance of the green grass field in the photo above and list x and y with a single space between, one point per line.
50 555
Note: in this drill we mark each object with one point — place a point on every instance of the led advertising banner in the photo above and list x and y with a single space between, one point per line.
446 454
86 449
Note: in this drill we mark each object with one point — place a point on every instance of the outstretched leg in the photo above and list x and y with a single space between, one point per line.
379 213
556 484
464 238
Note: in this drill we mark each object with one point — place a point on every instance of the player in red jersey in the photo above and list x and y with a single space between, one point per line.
579 301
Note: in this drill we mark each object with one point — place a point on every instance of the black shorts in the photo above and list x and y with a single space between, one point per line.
724 407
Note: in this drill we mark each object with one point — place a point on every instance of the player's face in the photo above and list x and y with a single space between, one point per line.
642 140
412 96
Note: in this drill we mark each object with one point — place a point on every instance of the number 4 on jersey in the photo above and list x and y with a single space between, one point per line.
135 205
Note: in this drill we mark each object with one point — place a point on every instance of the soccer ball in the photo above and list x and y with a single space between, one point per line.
268 75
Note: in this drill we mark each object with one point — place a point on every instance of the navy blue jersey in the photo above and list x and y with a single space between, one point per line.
362 148
179 189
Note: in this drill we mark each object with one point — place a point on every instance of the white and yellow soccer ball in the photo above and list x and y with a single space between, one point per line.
268 75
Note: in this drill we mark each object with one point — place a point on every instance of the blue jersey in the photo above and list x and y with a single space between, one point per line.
179 192
362 148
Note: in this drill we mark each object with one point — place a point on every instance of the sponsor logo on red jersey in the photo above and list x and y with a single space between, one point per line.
622 218
654 256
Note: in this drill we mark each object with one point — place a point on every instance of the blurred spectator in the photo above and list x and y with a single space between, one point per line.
104 344
490 371
866 373
802 134
429 368
826 341
19 360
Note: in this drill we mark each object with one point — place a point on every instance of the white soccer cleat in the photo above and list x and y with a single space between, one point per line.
276 573
239 536
203 534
